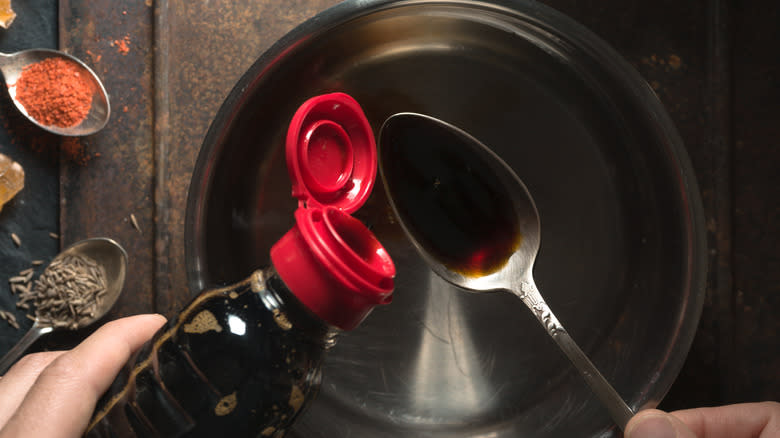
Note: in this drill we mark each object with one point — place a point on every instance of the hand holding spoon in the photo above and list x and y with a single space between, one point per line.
12 65
474 222
106 253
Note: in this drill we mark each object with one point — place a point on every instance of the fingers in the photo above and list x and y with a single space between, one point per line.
652 423
69 387
754 420
739 420
18 380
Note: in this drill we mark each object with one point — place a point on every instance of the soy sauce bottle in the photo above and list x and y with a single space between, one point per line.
245 360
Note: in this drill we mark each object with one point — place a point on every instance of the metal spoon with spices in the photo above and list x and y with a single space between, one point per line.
77 288
56 91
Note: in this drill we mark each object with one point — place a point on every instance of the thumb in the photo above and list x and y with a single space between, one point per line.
653 423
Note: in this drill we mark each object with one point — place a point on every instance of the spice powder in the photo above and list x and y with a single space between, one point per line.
55 92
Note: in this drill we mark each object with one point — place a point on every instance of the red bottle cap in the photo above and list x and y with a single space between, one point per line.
329 260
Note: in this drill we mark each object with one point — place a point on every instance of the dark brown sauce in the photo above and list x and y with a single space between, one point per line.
448 196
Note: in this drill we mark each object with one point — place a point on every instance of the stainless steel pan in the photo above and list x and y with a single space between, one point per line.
623 254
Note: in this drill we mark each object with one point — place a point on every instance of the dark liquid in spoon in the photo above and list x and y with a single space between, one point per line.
448 196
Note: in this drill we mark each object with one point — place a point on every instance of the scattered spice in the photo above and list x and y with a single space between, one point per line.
134 222
68 292
13 281
21 282
123 45
16 239
675 62
75 150
95 58
671 63
10 318
27 274
55 92
11 179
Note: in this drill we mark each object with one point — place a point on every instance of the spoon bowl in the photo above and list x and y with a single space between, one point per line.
461 193
108 254
11 67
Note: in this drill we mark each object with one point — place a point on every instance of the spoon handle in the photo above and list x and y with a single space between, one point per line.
617 407
18 350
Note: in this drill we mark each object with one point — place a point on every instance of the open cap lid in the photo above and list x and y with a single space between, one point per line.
331 153
330 260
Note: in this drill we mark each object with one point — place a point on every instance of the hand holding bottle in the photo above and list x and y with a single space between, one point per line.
52 394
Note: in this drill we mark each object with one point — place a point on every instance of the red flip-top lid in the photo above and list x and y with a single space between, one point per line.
331 153
330 261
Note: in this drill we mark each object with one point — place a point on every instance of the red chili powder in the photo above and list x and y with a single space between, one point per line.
55 92
75 150
123 45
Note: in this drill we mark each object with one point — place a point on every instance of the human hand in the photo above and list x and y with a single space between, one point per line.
746 420
53 394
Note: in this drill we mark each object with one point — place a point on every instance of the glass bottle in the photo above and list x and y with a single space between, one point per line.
245 360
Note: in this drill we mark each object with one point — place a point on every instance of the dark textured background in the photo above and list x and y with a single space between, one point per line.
33 213
715 65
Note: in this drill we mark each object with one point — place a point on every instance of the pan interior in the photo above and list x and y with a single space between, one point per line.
615 253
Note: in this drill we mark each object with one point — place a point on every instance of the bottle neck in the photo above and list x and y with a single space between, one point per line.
294 314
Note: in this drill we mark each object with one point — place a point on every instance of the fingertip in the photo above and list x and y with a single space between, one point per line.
653 423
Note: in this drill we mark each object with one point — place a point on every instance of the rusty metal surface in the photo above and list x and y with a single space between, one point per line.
99 197
716 71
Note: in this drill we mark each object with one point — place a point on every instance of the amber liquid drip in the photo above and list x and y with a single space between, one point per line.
449 198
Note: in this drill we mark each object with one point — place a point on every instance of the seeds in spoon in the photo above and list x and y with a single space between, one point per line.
68 292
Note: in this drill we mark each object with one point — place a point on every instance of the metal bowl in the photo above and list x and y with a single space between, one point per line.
622 258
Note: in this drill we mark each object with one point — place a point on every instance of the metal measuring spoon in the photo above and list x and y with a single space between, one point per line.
106 253
11 66
413 149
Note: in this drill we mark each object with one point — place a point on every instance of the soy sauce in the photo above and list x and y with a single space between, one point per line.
447 195
239 361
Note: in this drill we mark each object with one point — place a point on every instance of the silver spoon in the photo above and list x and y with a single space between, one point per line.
11 66
106 253
448 189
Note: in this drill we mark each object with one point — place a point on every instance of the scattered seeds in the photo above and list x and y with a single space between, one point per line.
54 235
10 318
134 222
16 239
37 262
17 279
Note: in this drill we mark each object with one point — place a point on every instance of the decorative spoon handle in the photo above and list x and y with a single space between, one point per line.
617 407
18 350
